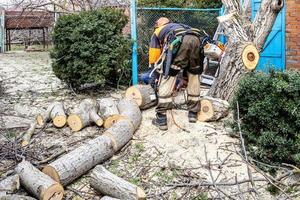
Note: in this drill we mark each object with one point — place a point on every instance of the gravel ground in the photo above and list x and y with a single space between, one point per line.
168 165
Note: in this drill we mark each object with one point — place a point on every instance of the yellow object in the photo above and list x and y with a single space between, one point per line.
154 55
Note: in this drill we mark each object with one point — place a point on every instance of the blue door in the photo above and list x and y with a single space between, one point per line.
273 53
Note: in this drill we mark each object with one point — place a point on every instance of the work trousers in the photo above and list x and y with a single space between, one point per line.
187 58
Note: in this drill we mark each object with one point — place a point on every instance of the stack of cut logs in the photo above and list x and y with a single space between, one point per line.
121 120
212 109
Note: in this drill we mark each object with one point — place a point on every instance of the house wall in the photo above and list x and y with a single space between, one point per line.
293 34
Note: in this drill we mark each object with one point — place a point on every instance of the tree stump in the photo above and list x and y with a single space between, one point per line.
120 133
38 183
131 111
10 185
84 115
108 111
143 95
212 109
54 112
109 184
77 162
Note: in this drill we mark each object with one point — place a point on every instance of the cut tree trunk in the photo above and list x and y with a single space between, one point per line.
108 111
10 185
76 163
131 111
143 95
109 198
120 133
212 109
109 184
38 183
245 42
27 136
84 114
54 112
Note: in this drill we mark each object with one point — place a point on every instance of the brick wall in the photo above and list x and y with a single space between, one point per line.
293 34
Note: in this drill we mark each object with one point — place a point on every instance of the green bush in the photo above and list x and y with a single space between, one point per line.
89 47
269 107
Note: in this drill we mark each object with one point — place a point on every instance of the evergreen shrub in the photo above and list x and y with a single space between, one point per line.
269 107
90 48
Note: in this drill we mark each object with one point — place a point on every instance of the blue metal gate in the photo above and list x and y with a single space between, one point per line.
2 31
273 54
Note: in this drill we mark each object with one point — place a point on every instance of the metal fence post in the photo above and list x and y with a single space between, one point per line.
133 17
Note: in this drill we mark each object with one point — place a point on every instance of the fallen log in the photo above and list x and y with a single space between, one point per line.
130 110
109 198
108 111
143 95
84 114
212 109
27 136
109 184
77 162
38 183
54 112
120 133
10 185
16 197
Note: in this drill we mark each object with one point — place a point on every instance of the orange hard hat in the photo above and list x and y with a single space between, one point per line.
161 21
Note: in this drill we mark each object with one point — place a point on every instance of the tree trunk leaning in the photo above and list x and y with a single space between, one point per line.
10 185
246 40
131 111
38 183
27 136
84 114
108 111
109 184
54 112
77 162
143 95
212 109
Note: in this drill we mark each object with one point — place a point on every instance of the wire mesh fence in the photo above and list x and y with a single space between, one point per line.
203 19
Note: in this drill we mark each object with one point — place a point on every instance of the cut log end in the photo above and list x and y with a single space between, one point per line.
99 122
24 143
134 94
60 121
206 111
75 122
40 120
141 195
250 57
112 120
50 171
54 192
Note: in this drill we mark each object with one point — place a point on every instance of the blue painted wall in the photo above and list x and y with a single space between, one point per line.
273 54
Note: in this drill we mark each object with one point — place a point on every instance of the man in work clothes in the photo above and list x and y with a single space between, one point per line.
188 57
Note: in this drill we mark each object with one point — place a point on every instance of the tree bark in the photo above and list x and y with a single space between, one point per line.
38 183
54 112
120 133
84 114
212 109
109 198
143 95
131 111
109 184
10 185
76 163
27 136
242 34
108 111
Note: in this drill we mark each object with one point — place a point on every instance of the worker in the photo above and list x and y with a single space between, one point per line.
181 49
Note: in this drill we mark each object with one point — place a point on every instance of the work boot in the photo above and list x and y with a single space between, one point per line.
192 117
160 121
